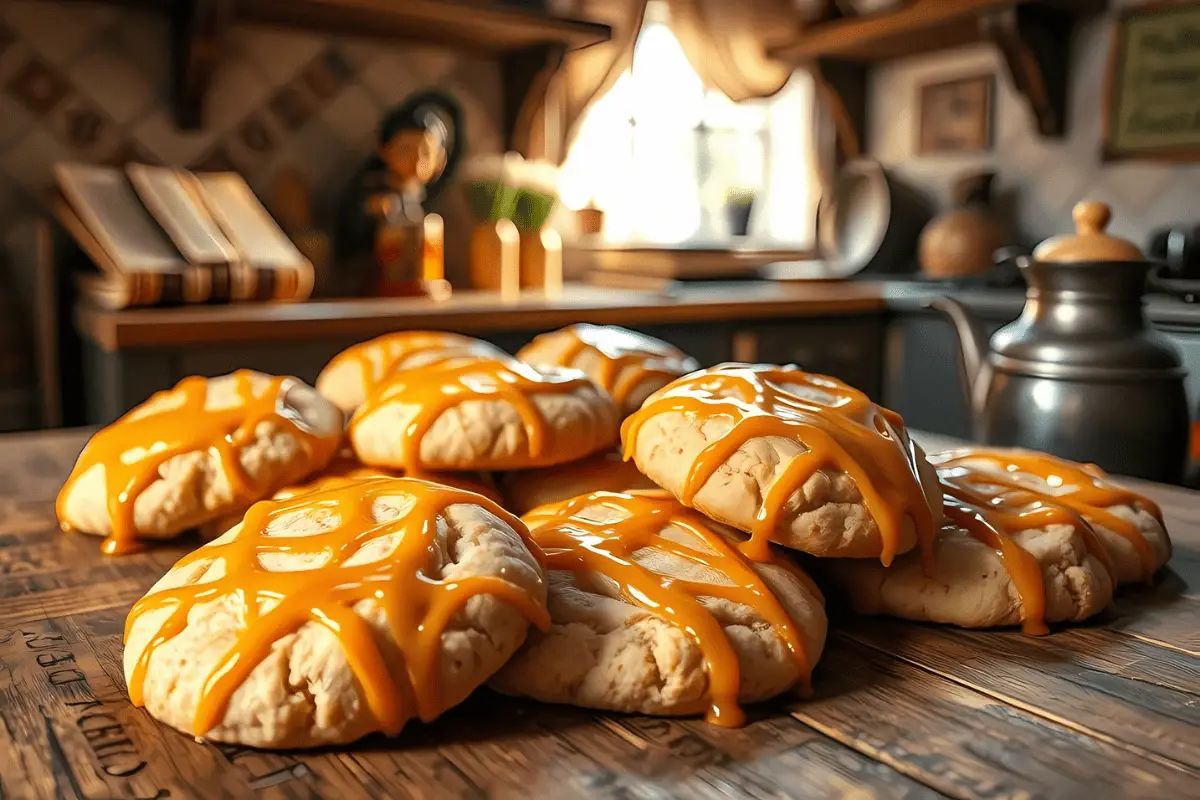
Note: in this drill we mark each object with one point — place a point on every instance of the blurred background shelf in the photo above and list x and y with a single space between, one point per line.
528 45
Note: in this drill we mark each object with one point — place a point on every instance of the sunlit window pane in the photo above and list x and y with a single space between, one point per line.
661 154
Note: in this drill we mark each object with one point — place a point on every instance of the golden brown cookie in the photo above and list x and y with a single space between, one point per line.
1005 555
527 489
335 614
654 609
196 453
799 459
1130 525
627 365
481 414
353 373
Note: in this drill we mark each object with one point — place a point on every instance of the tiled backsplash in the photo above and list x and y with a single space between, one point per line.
1042 177
90 82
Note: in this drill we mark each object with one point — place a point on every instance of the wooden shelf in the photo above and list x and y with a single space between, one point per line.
529 46
488 28
923 26
1032 36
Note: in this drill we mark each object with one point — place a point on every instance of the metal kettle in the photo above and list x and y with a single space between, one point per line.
1080 374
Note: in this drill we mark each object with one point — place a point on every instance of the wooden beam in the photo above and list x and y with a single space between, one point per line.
197 28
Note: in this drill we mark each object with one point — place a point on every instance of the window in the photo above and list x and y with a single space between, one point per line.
660 155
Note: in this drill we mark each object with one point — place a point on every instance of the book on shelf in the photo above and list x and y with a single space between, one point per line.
161 236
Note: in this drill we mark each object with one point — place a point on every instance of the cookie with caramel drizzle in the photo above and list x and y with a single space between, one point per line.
481 414
334 614
1042 489
345 469
525 490
655 609
354 373
1020 545
788 456
627 365
195 453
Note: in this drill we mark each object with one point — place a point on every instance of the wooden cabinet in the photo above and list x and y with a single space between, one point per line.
848 348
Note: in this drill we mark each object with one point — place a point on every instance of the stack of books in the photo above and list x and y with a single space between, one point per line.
161 236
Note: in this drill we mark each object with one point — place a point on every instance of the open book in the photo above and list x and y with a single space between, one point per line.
161 236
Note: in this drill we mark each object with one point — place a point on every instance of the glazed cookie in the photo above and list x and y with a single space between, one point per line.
482 414
345 469
627 365
196 453
1004 556
527 489
373 603
799 459
353 373
1130 525
654 609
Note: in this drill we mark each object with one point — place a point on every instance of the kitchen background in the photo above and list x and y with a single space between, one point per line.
87 82
1038 179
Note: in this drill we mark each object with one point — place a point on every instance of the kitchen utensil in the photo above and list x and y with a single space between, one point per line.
871 221
963 241
1080 374
1178 247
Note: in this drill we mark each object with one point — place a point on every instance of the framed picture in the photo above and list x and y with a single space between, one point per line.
1153 93
956 116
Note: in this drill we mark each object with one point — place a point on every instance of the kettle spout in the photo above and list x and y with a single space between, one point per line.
973 368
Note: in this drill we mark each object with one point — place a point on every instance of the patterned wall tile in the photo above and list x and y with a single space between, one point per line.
158 134
355 115
38 86
391 77
59 31
114 83
277 54
143 40
236 91
88 133
81 81
28 162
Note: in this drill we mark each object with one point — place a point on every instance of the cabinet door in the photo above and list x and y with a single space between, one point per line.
850 349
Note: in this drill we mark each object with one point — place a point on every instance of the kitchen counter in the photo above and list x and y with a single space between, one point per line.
470 312
484 312
876 335
899 710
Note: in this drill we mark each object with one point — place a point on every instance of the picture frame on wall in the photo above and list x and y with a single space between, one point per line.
955 116
1152 96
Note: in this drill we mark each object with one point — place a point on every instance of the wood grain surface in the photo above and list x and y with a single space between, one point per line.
901 710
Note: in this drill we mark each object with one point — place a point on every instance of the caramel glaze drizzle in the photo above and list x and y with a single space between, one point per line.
849 434
623 358
163 434
345 470
573 542
418 607
435 388
397 348
1087 503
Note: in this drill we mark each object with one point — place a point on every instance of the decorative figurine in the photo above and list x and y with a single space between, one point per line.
384 217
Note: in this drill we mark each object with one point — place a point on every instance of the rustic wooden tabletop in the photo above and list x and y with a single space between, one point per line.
1108 710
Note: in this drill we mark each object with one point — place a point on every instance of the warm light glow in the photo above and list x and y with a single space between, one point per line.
658 154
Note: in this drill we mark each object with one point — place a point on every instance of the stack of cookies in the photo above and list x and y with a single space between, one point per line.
368 566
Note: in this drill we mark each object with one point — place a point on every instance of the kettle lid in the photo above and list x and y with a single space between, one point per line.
1090 242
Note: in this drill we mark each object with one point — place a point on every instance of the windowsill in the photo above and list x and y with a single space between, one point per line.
656 263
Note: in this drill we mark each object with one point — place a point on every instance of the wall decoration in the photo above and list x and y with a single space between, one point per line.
1153 95
956 116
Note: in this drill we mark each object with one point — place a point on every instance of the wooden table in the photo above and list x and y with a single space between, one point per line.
1105 710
